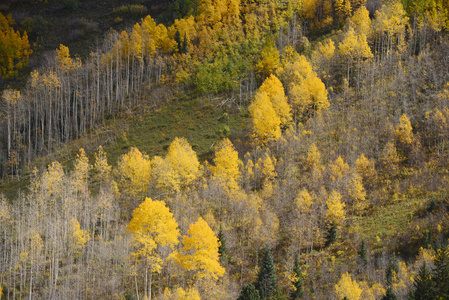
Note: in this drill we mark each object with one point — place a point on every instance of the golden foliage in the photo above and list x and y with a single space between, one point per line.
227 165
335 209
272 86
265 122
200 252
179 168
133 172
347 288
404 131
152 226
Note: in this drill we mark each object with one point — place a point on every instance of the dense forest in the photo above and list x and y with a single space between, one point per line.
309 160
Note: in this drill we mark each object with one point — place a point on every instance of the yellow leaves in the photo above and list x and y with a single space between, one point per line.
11 97
272 86
15 49
354 46
335 209
365 168
338 169
391 18
200 252
361 21
390 158
404 131
303 201
265 122
81 171
181 294
133 172
269 61
376 291
307 93
77 236
101 167
227 165
179 168
313 160
346 287
63 60
152 226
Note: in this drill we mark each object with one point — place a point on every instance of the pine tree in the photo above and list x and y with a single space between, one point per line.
222 251
249 292
389 295
297 281
266 280
331 235
423 284
363 253
440 276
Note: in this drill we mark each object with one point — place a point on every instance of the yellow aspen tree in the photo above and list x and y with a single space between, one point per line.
227 165
181 294
322 58
265 122
153 228
338 169
390 159
361 21
365 168
77 237
269 60
356 191
376 291
134 172
306 92
15 48
353 49
272 86
101 167
313 159
336 213
200 252
343 9
179 168
81 171
347 288
64 61
404 132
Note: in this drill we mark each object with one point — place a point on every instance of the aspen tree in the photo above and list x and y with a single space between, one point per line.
347 288
179 168
265 122
152 227
133 172
200 252
272 86
227 165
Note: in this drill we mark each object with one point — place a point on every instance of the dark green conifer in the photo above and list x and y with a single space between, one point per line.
222 251
178 41
423 285
266 280
440 275
331 236
249 292
389 295
298 293
363 253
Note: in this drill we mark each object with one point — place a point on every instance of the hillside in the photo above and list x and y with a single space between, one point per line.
225 149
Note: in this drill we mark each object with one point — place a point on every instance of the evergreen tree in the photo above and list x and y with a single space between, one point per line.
178 41
266 280
363 253
298 293
185 46
393 266
331 236
423 285
222 251
440 276
389 295
249 292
